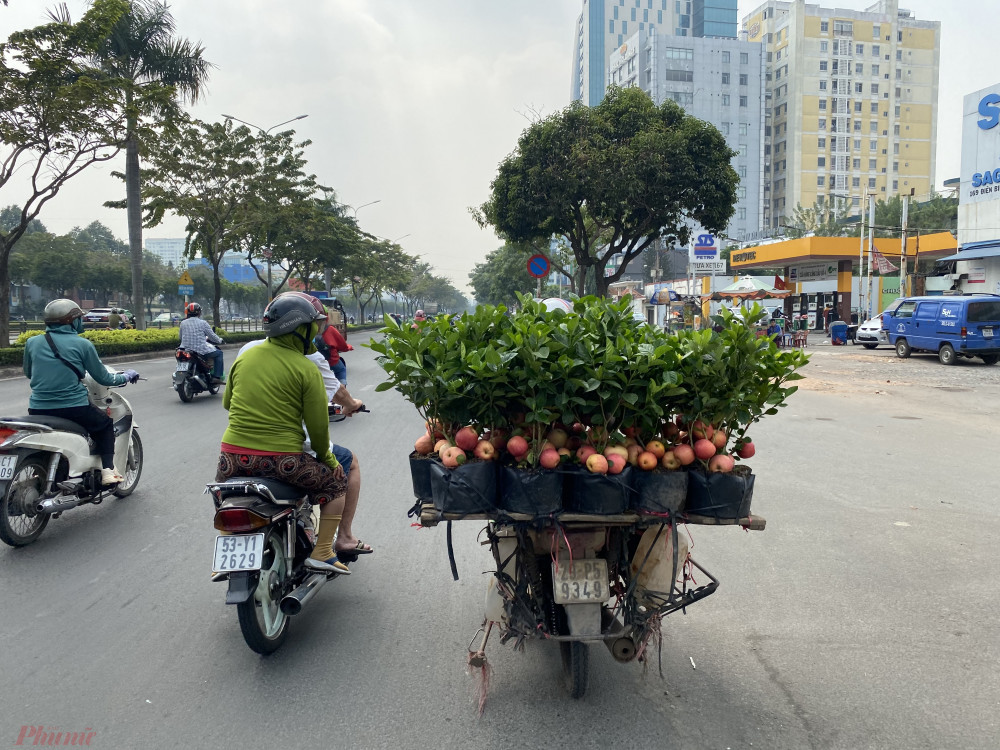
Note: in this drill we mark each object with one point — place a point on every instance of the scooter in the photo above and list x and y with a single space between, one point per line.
193 375
267 530
48 465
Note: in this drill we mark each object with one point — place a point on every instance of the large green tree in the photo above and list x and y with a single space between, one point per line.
56 119
611 179
152 68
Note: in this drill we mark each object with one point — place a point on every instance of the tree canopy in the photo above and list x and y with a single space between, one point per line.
613 178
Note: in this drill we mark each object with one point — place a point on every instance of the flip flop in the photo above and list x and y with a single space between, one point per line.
360 549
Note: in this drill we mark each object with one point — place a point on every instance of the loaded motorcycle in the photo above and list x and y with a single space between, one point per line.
193 375
267 530
48 465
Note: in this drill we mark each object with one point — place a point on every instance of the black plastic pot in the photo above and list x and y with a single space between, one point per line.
719 495
469 488
598 494
659 491
537 492
420 473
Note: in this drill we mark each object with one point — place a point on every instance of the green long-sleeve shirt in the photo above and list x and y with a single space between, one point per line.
53 384
271 390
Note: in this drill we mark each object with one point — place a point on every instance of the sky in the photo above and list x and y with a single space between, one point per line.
414 103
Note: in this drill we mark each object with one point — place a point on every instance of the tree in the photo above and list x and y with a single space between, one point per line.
822 220
55 119
221 179
141 56
612 179
380 266
502 276
57 263
96 236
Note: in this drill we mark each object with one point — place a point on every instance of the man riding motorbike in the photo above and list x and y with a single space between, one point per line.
272 391
197 336
55 364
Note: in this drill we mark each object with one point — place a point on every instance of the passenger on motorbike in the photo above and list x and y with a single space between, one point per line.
55 364
272 391
335 343
197 336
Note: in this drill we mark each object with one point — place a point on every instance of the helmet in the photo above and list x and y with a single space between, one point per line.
60 311
288 311
419 315
192 309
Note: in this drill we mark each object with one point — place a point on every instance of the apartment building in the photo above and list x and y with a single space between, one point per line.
851 104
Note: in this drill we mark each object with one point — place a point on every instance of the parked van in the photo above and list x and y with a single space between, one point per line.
951 327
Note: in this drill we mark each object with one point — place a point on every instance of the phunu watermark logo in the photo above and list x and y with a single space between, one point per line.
39 736
990 111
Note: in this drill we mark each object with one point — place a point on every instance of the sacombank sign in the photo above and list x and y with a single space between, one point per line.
989 108
981 146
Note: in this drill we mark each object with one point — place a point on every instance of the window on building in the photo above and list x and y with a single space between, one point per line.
742 172
820 181
857 144
821 142
895 148
824 46
857 106
744 101
858 88
725 79
859 68
824 27
821 161
822 85
822 124
741 213
871 183
899 36
725 56
822 104
679 53
725 100
679 75
897 110
744 79
899 54
856 182
873 164
741 193
843 28
741 150
876 31
725 128
874 88
744 58
856 201
822 65
873 127
857 126
874 108
858 48
743 128
895 166
777 55
895 185
875 71
876 50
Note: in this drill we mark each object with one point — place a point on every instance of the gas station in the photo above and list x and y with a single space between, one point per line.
834 258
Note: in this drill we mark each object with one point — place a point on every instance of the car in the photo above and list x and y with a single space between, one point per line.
101 314
168 318
950 326
871 333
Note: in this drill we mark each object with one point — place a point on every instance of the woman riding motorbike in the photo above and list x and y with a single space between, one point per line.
271 391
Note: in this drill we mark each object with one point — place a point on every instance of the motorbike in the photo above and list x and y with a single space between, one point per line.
48 465
193 375
267 529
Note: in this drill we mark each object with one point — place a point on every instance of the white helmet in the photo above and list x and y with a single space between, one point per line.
61 311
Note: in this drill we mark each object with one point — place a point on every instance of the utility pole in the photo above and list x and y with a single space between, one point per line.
871 246
861 263
903 292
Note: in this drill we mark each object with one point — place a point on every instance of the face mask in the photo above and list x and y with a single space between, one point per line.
77 325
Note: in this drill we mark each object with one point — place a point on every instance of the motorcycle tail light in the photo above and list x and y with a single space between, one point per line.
5 433
239 520
963 332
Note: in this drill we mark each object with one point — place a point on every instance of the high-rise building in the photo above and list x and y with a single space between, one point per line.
851 104
718 80
604 25
170 251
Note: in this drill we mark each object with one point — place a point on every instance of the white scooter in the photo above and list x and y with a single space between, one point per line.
48 465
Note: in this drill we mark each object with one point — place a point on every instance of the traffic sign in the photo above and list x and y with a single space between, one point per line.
538 266
185 290
185 279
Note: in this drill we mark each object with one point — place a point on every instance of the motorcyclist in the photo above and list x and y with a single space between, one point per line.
418 318
55 364
335 343
197 336
272 391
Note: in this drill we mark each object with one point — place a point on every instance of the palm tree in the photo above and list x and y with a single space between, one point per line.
143 53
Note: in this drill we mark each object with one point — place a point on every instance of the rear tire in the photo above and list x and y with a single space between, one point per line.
576 667
264 625
946 355
186 392
990 359
133 467
902 349
20 525
869 346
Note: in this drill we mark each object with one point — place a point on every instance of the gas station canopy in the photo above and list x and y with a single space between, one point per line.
826 249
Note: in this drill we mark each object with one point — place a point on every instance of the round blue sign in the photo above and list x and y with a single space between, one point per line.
538 266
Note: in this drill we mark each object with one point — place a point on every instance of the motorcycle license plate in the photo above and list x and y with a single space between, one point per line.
183 366
988 332
238 552
580 581
7 464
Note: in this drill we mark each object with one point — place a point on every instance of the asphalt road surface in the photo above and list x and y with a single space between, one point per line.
864 616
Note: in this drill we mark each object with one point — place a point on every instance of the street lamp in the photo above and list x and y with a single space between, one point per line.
262 130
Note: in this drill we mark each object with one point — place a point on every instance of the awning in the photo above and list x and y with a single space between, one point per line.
976 251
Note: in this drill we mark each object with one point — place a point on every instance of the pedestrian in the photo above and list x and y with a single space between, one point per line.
826 318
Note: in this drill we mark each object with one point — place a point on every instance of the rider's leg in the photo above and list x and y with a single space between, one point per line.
100 428
218 368
346 541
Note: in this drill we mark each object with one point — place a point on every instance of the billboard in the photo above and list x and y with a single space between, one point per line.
981 146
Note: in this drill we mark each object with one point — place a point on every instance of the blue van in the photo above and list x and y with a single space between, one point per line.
951 327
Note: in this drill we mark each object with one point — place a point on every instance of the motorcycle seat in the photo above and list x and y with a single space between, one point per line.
56 423
281 491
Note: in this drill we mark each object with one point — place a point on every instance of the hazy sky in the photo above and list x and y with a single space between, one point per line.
415 102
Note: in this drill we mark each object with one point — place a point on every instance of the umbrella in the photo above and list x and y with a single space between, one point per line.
747 288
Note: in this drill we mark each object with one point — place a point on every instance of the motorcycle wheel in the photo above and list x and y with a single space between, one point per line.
186 391
133 467
20 525
576 667
264 625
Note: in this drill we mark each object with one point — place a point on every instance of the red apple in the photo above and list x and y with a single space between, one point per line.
684 453
647 461
720 438
704 449
597 464
721 463
584 452
616 464
485 450
702 431
549 458
453 456
746 450
467 438
656 448
670 461
517 446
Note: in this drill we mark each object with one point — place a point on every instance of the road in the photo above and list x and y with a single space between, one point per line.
864 616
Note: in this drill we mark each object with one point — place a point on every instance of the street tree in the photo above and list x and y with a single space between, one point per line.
612 179
153 69
821 219
379 267
57 263
55 119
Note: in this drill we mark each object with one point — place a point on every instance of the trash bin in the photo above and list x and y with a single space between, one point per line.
838 333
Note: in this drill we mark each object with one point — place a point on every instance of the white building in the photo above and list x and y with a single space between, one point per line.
170 251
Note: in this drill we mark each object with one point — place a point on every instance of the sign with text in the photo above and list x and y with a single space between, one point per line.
812 272
981 146
709 266
705 248
185 290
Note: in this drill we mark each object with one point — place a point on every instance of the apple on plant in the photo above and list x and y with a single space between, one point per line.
467 438
648 461
746 450
684 453
584 452
616 464
484 450
721 463
549 458
424 445
656 448
453 457
597 464
670 461
704 449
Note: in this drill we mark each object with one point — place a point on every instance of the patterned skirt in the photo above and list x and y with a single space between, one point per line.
300 470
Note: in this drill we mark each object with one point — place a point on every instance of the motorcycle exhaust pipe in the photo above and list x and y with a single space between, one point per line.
292 603
56 505
623 648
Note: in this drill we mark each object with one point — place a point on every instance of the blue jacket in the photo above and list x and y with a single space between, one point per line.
53 384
